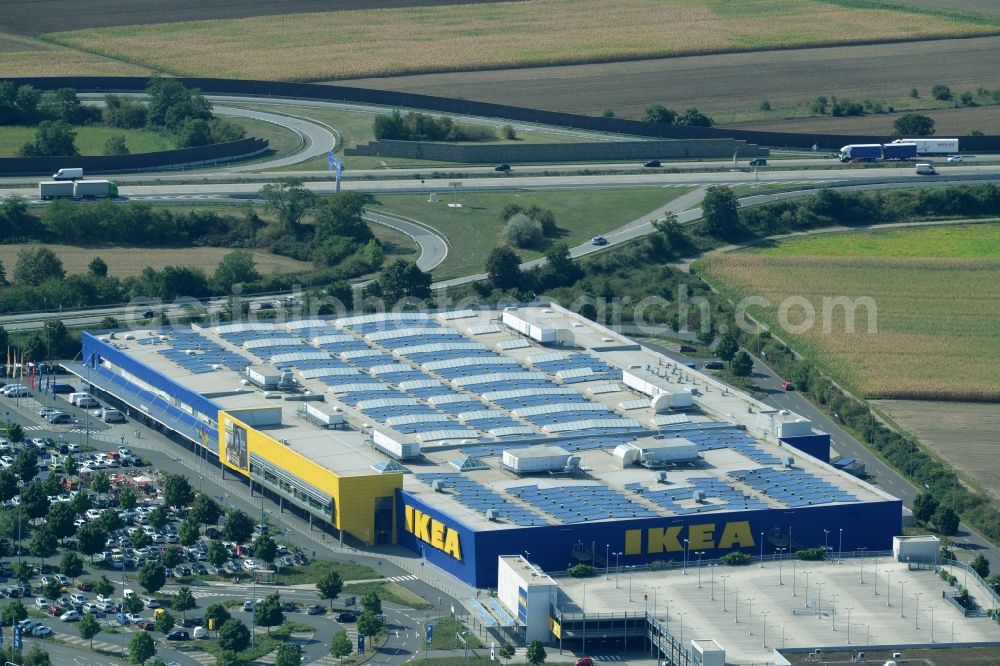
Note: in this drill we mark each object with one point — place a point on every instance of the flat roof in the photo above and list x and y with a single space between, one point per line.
462 384
795 616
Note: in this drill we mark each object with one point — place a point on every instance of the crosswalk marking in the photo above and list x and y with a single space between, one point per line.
32 427
400 579
607 657
200 656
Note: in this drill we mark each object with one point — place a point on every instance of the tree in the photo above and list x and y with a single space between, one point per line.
98 267
914 124
290 201
341 646
268 612
71 565
116 145
15 431
535 653
163 622
945 519
152 577
234 635
288 655
91 538
372 602
741 365
140 539
44 543
13 613
36 657
657 113
194 132
141 648
104 587
89 627
401 279
329 586
504 268
229 658
26 466
343 215
720 211
100 484
52 138
126 499
941 92
24 571
62 104
217 612
172 557
205 510
177 491
183 601
132 604
507 651
695 118
264 548
369 623
217 553
238 527
728 345
524 232
981 566
189 532
237 267
52 590
924 507
70 467
36 265
159 517
8 485
560 267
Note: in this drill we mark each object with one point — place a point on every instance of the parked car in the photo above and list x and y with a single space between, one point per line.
715 365
289 607
78 598
41 631
41 603
250 565
54 611
345 617
151 603
178 635
652 164
316 609
686 349
145 625
758 162
248 606
70 616
788 386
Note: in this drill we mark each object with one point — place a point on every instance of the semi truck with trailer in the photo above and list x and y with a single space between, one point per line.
78 189
932 146
870 152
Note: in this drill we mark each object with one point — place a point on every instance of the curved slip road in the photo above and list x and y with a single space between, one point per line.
433 246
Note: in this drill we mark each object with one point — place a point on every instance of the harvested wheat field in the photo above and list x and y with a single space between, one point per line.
63 62
126 261
965 434
927 305
380 42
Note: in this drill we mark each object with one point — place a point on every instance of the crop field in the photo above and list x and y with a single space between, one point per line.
965 434
125 261
926 327
63 62
380 42
474 229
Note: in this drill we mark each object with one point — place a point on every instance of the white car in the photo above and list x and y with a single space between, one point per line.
78 598
599 240
73 448
41 603
41 631
956 159
70 616
249 565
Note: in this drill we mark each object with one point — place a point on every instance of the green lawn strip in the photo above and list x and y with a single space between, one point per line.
316 569
445 635
90 140
979 240
388 591
474 229
264 642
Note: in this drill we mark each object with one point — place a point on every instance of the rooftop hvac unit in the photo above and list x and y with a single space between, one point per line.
698 496
190 352
437 486
787 461
491 514
572 463
661 477
216 366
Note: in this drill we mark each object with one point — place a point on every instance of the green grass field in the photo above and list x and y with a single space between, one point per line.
474 229
89 140
381 42
934 295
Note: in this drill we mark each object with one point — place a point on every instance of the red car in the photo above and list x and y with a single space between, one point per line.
788 386
584 661
54 611
145 625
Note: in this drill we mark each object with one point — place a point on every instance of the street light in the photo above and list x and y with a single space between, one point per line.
763 619
888 588
761 550
711 572
699 553
848 609
861 567
902 599
724 577
682 627
617 568
833 615
781 552
685 571
750 616
840 546
916 609
607 561
584 609
819 601
826 543
932 623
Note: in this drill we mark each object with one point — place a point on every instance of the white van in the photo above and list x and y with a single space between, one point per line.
926 170
17 392
68 174
199 632
112 416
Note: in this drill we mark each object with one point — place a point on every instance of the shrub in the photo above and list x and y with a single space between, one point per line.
941 92
523 232
507 132
765 105
735 559
810 554
582 571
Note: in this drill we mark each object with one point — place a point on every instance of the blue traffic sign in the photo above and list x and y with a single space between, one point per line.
361 643
430 633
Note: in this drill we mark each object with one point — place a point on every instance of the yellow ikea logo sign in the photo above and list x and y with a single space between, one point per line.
699 537
433 532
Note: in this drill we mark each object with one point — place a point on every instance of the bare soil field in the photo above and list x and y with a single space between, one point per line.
35 17
965 434
725 82
948 122
125 261
15 43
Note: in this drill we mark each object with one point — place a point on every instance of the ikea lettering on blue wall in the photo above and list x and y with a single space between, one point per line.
700 537
433 532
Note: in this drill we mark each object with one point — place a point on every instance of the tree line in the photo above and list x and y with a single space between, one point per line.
416 126
183 114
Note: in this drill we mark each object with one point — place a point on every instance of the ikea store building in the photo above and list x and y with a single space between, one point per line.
466 435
